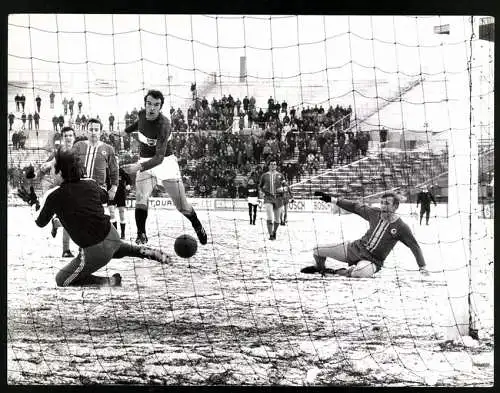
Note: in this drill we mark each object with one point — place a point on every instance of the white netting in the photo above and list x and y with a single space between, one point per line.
240 311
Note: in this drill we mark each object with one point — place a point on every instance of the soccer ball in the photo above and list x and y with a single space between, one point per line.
185 246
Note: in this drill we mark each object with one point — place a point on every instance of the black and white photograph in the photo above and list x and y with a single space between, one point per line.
250 200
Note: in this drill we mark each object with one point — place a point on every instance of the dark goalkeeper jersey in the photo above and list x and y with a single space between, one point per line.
382 235
78 206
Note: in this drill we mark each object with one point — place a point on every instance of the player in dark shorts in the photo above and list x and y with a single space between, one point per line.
78 202
157 166
366 256
124 185
424 198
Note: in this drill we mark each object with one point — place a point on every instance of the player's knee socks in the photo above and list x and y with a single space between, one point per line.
140 220
128 250
121 212
191 216
122 227
65 240
276 226
115 224
270 227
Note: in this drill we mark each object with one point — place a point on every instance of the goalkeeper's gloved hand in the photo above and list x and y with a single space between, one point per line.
323 196
29 197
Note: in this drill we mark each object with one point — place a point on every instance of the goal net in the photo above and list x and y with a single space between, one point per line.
380 103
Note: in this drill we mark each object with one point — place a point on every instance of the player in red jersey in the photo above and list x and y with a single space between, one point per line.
78 202
366 256
157 166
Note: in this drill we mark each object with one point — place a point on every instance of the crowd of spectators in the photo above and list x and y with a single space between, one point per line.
18 139
218 162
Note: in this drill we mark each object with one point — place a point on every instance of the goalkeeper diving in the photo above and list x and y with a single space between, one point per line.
366 256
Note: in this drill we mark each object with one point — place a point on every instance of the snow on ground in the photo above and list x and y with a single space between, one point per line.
240 311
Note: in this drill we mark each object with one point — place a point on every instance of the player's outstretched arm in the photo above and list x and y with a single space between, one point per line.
325 197
409 241
29 197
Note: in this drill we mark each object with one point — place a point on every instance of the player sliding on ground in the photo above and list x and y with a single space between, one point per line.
366 256
78 204
157 166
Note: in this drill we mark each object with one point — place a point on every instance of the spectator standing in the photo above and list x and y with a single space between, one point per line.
246 102
11 120
71 104
80 107
77 121
61 122
83 121
36 117
383 137
52 96
15 140
23 119
30 121
23 101
38 102
17 100
65 105
111 122
55 122
21 139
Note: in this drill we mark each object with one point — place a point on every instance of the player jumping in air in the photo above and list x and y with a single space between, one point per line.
78 202
271 186
366 256
157 166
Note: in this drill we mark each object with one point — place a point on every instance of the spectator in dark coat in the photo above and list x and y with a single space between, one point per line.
38 103
17 100
36 117
11 120
52 96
